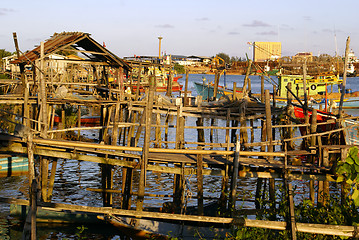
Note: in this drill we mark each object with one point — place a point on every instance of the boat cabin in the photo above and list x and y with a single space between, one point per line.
314 84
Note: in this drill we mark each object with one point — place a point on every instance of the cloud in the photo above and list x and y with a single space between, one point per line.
257 23
267 33
286 27
307 18
5 11
202 19
233 33
165 26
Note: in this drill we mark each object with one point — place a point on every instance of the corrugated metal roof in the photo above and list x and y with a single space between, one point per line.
78 41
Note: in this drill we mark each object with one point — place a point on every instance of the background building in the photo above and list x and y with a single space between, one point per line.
264 51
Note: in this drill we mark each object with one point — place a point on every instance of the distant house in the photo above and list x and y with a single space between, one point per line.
190 60
9 67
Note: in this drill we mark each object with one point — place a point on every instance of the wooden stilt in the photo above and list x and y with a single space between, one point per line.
291 212
235 168
200 184
78 121
52 179
29 231
44 177
146 146
158 130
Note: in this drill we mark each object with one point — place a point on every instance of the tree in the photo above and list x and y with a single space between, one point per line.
225 57
4 53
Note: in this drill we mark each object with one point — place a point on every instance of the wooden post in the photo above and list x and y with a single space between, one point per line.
262 89
216 82
30 225
180 126
233 195
138 82
79 121
146 146
290 114
245 88
243 131
44 177
234 91
344 77
200 183
158 130
224 189
52 179
43 92
270 147
200 131
321 184
26 110
186 89
291 212
268 121
115 124
169 83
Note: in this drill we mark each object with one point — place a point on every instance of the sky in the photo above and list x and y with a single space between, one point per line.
188 27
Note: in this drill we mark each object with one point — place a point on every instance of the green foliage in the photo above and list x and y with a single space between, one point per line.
4 76
225 57
333 212
179 69
348 173
4 53
81 229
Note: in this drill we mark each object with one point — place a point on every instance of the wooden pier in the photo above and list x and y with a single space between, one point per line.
149 134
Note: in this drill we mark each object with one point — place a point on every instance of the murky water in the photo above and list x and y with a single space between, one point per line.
74 177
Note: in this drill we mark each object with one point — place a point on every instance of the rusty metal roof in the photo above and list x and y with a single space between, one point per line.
78 41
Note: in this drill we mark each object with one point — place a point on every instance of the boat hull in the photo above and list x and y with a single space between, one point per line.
13 166
207 91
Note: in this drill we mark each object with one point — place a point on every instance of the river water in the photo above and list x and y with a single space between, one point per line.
73 177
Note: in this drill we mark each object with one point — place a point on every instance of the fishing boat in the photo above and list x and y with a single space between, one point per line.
315 84
86 121
207 90
161 74
317 91
13 166
161 85
351 131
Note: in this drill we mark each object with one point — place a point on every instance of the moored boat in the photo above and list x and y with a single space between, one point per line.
316 90
85 120
207 90
13 165
161 86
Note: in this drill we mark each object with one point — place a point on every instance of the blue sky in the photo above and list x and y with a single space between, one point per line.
188 27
